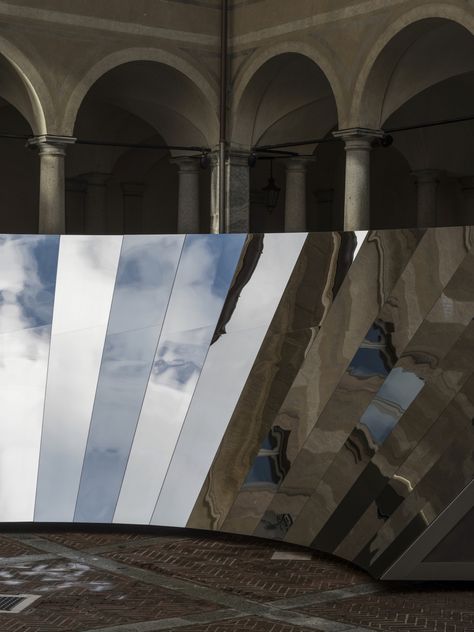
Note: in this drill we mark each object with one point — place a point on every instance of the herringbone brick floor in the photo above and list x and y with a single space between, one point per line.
448 608
245 570
136 582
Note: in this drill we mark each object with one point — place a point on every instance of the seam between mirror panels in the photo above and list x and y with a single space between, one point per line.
194 391
149 374
243 385
339 381
46 381
98 377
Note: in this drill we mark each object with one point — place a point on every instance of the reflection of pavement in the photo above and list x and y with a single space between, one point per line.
124 582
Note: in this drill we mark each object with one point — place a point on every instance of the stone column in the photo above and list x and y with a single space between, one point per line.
237 211
295 194
467 187
215 175
75 198
427 188
132 207
96 202
188 194
358 144
51 150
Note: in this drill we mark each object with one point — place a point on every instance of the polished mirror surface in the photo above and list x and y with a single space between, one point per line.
313 388
28 266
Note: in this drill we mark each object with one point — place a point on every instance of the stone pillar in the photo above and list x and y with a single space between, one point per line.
427 188
215 175
237 211
132 207
75 199
96 202
295 194
358 144
467 187
52 213
188 194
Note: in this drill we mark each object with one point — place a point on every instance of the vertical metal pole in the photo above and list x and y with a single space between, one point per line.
223 115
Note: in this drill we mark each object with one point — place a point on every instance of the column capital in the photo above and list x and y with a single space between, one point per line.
299 163
358 137
238 158
187 164
426 175
51 144
133 189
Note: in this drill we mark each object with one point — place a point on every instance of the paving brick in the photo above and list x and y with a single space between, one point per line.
429 607
250 624
243 568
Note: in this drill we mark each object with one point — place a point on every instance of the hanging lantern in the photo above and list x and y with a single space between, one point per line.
271 191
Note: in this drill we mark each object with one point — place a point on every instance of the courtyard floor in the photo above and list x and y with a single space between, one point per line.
141 582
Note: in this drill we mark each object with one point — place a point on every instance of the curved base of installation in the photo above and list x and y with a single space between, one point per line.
313 388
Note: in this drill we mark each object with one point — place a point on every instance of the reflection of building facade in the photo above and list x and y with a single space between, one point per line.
126 400
132 73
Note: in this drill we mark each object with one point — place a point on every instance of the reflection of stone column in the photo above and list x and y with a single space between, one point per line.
214 225
467 186
75 198
324 213
237 193
427 188
51 150
96 202
358 144
188 194
295 195
132 207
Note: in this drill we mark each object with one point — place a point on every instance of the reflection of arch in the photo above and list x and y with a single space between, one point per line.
251 67
22 86
374 76
114 60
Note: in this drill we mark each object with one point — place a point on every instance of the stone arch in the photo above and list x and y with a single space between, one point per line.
22 86
367 103
320 57
201 82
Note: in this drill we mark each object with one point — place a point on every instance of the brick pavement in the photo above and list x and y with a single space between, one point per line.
165 580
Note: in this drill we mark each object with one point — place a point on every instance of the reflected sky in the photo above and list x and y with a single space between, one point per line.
86 277
145 277
393 398
27 280
206 269
218 391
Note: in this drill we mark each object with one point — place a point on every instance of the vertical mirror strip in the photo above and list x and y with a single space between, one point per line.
206 269
85 282
28 266
145 278
218 390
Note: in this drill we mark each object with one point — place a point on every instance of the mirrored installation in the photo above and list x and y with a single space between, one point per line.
314 388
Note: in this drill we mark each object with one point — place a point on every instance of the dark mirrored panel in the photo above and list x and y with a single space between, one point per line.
85 282
146 274
393 398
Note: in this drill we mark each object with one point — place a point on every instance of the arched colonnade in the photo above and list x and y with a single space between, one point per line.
89 172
